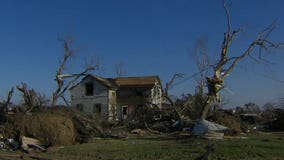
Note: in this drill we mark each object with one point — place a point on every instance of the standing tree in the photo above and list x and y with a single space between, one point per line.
119 69
5 104
65 81
227 64
280 104
169 84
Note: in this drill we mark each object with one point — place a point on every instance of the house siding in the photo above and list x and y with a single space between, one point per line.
100 96
156 95
134 97
114 101
112 105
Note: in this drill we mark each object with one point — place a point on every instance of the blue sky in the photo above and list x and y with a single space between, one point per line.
150 37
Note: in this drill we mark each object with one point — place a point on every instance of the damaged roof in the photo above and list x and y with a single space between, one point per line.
115 83
104 81
137 81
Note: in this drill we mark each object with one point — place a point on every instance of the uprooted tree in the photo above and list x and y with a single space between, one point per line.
120 70
226 63
65 80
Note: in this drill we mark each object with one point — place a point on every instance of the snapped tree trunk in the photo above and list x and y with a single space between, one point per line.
65 81
227 64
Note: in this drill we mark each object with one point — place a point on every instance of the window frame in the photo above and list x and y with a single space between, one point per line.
97 108
89 89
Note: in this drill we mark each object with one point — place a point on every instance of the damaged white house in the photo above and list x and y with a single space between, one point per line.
115 98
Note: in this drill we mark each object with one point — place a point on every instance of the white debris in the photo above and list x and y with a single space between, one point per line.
202 127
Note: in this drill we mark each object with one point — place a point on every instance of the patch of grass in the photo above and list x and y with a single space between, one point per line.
133 149
255 147
171 148
166 147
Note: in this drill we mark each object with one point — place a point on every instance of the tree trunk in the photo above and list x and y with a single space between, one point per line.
206 107
54 100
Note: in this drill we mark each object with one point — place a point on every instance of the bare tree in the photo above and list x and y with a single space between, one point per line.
43 99
32 99
65 81
5 104
191 105
202 61
166 95
227 64
30 96
268 113
119 69
169 85
280 103
10 95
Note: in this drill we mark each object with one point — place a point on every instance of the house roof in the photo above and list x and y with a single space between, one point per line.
122 82
104 81
136 81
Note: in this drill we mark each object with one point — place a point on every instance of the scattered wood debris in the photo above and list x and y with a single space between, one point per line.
31 144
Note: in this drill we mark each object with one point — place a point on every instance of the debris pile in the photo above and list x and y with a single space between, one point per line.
53 126
50 129
230 120
209 129
28 143
86 127
25 144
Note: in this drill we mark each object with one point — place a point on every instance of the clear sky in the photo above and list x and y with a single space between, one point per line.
150 37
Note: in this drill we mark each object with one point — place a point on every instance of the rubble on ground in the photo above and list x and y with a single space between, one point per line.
138 132
28 143
25 144
209 129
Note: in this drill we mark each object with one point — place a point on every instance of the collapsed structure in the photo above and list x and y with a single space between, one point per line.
116 98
